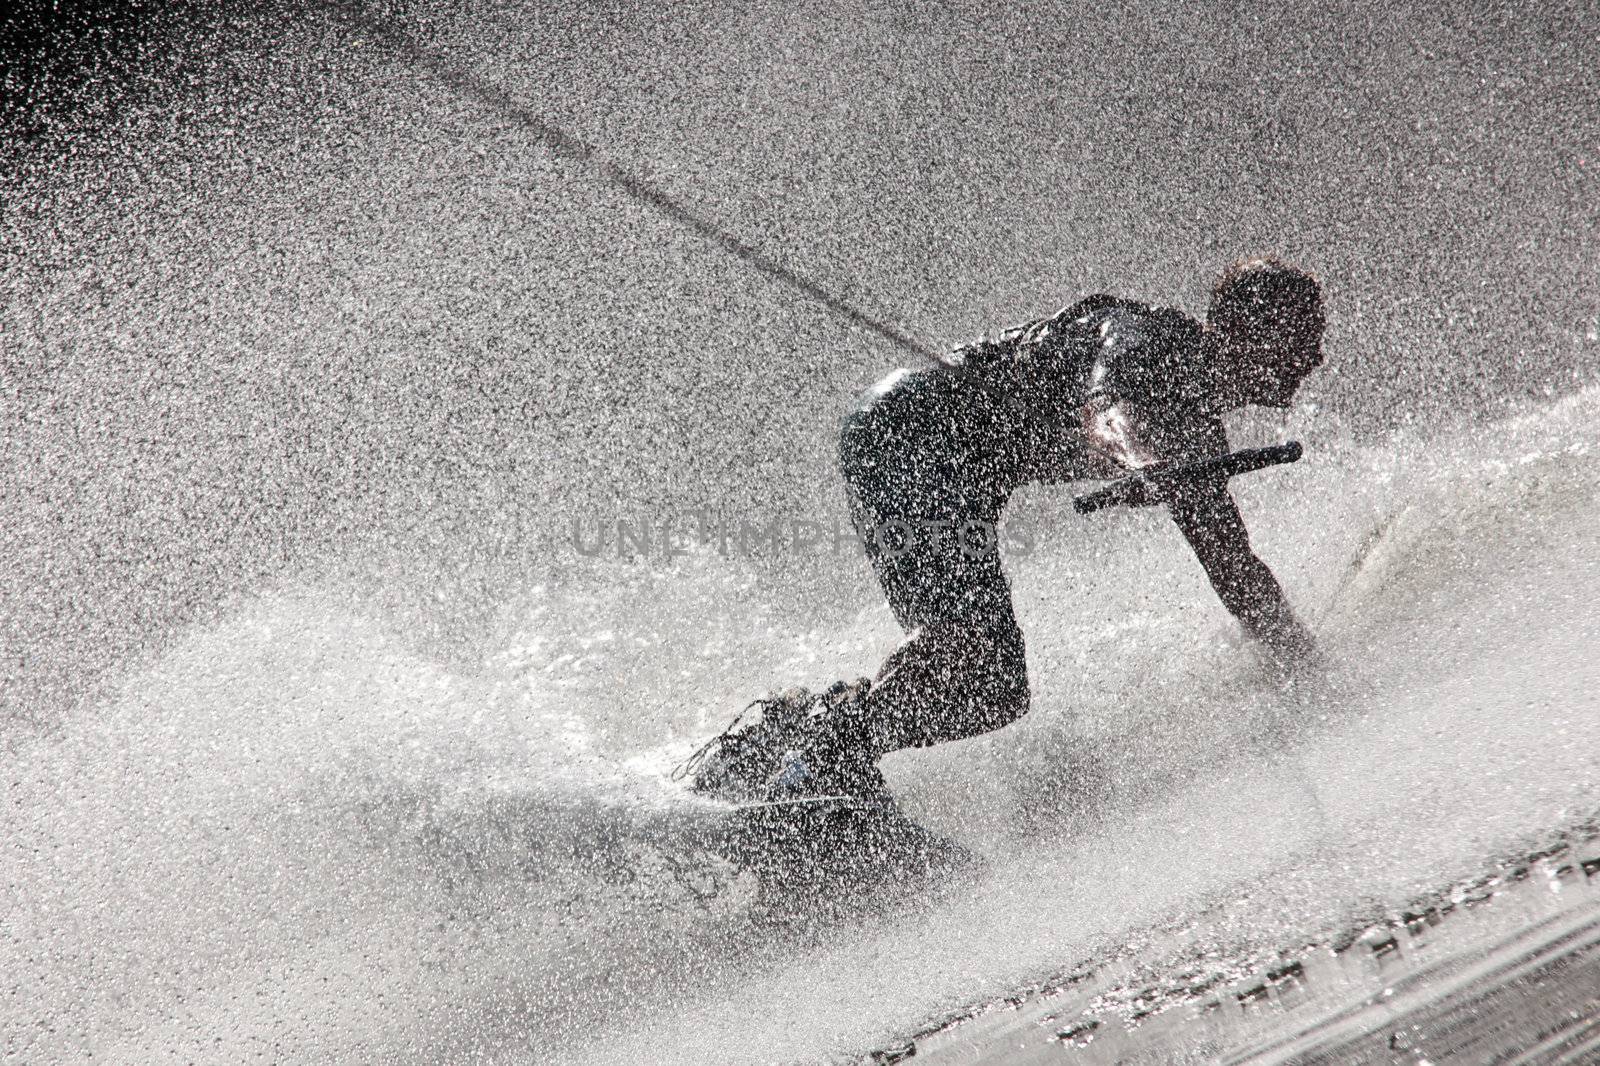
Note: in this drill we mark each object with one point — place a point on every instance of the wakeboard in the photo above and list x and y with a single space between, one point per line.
835 848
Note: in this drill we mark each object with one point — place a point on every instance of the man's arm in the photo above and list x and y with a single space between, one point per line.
1211 523
1122 432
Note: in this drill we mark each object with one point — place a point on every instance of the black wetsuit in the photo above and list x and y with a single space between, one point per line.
931 456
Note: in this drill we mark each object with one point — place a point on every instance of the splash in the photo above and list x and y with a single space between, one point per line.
292 832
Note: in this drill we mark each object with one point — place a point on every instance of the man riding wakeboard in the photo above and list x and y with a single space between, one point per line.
1104 388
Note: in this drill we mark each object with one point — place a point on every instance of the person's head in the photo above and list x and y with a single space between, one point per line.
1266 320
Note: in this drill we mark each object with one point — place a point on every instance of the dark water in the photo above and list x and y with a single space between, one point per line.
1498 968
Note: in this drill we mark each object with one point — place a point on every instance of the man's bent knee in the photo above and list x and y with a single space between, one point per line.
1000 686
950 684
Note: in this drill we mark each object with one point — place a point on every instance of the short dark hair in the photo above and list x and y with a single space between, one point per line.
1266 293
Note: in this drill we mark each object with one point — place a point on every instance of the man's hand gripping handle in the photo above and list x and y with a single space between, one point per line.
1157 485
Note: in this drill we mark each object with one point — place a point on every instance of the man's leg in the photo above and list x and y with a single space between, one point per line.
962 670
945 683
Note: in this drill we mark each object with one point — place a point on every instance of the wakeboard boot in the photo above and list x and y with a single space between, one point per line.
737 764
830 830
834 756
821 829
